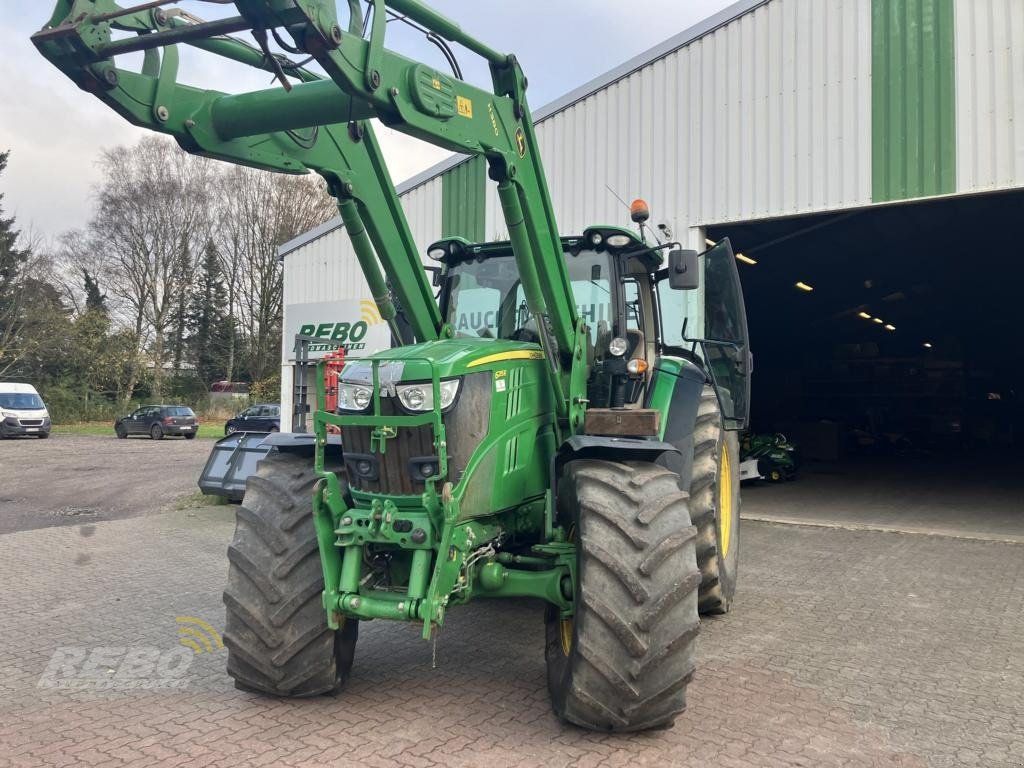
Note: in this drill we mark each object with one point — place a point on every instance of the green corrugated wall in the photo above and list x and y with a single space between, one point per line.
912 99
462 200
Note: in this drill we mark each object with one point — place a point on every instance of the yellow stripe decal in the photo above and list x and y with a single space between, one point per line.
523 354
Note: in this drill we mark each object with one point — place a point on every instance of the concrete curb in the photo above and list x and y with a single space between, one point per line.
877 528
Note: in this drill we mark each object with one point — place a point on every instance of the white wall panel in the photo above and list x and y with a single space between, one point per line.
989 63
766 116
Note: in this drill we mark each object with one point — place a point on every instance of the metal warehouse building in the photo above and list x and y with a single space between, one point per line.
871 150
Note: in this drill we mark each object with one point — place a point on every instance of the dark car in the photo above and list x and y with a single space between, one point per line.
157 421
263 417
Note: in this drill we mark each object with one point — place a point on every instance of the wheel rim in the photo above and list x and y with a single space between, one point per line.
565 631
565 626
725 500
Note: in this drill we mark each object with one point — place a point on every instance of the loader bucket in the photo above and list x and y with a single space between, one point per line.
231 461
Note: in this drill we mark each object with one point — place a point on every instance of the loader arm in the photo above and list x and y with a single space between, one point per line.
319 125
252 129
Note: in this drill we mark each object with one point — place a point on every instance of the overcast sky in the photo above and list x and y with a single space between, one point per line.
55 131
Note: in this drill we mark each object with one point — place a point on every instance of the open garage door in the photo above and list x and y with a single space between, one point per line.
887 347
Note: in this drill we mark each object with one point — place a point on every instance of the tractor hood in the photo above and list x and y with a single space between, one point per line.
447 358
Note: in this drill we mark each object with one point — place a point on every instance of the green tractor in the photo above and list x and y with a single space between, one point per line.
546 428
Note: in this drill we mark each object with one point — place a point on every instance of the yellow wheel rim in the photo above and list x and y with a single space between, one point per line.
725 500
565 625
565 628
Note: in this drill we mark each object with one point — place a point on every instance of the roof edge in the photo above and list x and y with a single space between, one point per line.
690 35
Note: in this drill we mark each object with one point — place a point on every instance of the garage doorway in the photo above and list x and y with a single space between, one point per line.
887 347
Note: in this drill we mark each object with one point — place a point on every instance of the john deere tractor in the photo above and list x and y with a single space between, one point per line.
548 428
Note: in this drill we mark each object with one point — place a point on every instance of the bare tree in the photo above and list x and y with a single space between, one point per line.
260 211
151 218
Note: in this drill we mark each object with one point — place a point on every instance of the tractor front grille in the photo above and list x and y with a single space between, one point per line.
393 472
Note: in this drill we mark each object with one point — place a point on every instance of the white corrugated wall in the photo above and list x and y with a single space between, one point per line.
768 115
989 56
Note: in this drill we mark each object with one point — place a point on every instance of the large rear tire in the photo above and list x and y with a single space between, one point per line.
715 505
276 632
624 660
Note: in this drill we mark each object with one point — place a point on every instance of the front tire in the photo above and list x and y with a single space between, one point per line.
276 632
626 658
120 432
715 505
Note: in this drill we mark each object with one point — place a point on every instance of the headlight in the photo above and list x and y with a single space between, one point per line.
617 347
420 397
618 241
353 397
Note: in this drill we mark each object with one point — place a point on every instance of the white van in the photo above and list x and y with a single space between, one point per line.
22 411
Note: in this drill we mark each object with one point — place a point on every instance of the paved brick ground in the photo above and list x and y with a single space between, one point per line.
845 648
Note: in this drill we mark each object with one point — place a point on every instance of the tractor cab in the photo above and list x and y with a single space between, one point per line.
627 293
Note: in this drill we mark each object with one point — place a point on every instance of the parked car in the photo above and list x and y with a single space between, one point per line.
157 421
263 417
22 411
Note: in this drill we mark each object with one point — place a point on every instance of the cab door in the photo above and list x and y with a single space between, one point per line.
726 345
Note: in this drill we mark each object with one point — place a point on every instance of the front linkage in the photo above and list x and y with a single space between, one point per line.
466 559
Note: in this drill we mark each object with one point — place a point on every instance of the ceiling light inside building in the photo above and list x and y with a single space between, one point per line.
927 345
890 327
804 286
877 320
865 315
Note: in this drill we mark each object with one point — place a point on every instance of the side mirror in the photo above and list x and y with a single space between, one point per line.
435 272
683 274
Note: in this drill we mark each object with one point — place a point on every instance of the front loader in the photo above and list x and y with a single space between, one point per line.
544 429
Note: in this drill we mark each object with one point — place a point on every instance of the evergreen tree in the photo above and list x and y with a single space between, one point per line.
209 326
94 300
12 259
17 312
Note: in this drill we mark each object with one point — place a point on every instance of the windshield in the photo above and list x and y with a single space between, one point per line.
486 299
21 401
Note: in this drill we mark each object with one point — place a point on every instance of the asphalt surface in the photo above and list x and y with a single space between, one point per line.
844 647
75 479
